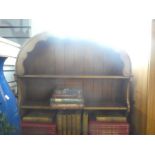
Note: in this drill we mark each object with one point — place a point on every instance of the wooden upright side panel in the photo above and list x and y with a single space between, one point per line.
151 88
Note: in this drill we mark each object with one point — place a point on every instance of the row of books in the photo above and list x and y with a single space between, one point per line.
109 125
37 123
102 128
38 117
29 128
68 123
67 97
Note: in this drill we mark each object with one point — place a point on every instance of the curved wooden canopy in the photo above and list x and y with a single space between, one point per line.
44 54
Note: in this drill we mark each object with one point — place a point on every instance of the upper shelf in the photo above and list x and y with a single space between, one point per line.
75 76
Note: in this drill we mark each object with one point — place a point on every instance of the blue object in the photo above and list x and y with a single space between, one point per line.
9 112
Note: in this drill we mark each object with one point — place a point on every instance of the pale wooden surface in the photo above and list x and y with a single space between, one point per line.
140 70
151 88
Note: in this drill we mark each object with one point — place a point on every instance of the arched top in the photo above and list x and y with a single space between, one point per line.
45 54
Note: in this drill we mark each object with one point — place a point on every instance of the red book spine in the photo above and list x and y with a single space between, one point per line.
108 128
38 128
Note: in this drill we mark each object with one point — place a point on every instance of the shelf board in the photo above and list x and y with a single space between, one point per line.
68 108
38 107
75 76
47 107
105 108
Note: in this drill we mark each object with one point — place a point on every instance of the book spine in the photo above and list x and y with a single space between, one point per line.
36 119
73 125
66 96
64 123
78 123
66 100
74 105
112 119
59 123
69 124
109 128
85 123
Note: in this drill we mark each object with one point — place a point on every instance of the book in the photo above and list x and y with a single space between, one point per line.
69 124
59 123
85 123
118 128
111 118
63 105
38 117
66 100
38 128
73 119
68 91
64 129
78 122
65 96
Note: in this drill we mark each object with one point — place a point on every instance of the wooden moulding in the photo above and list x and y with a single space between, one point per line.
75 76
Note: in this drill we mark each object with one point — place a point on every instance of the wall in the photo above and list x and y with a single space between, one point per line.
17 30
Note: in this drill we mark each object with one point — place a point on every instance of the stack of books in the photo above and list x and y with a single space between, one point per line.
68 123
67 98
111 125
37 123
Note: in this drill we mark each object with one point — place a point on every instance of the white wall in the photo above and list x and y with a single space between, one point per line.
122 24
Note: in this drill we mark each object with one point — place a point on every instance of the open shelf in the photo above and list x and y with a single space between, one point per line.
75 76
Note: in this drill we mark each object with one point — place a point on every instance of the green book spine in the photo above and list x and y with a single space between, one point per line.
111 119
69 124
76 123
78 117
64 123
85 123
73 124
59 123
37 119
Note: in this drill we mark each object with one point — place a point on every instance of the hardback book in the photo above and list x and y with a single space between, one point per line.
38 117
38 128
64 125
85 123
64 105
73 119
66 96
59 123
66 100
68 91
111 118
69 124
118 128
78 122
